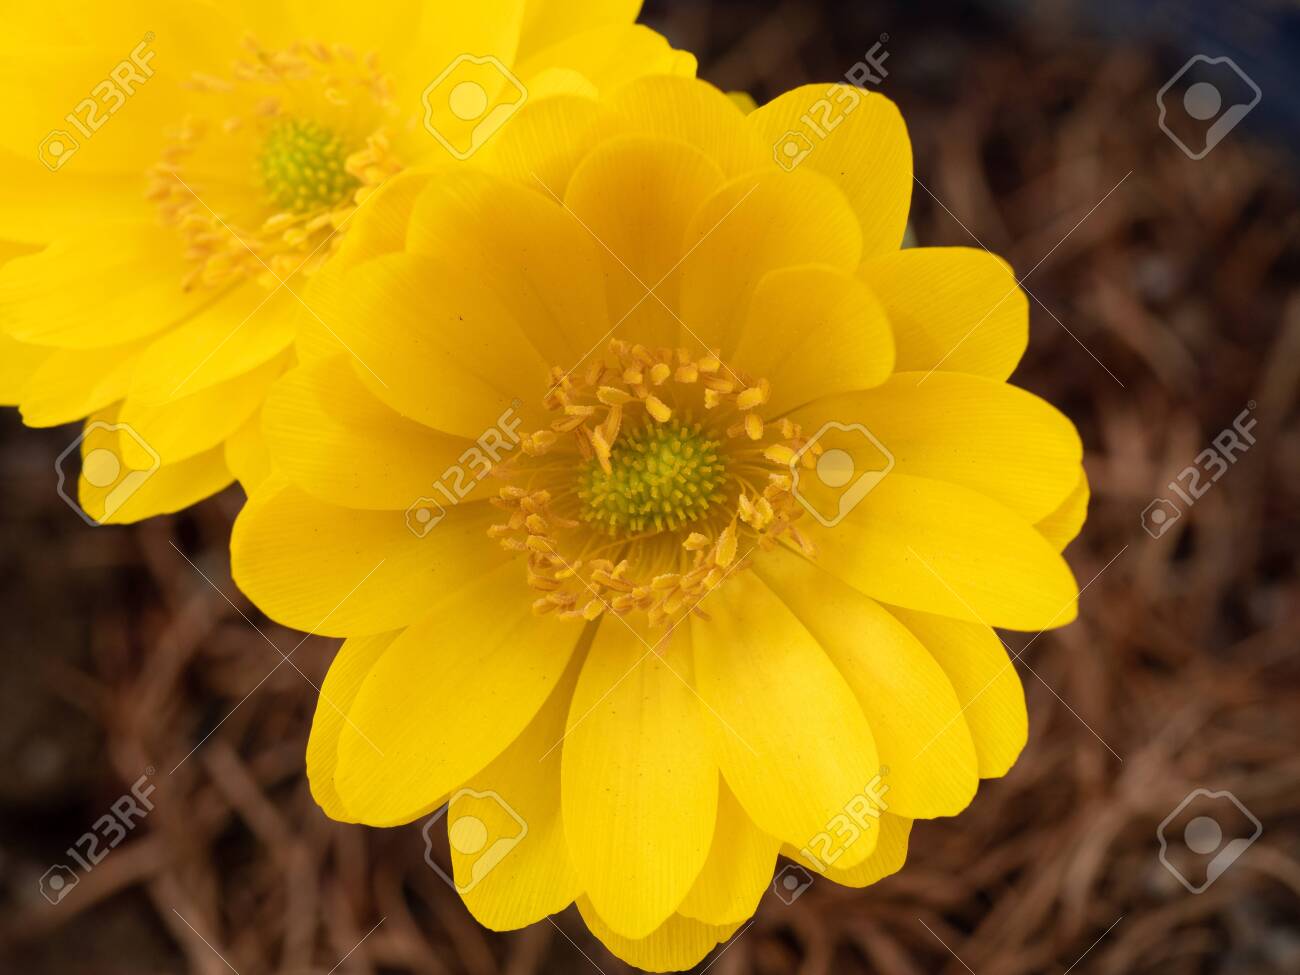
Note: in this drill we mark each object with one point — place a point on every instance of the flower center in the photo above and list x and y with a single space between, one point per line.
628 503
293 141
304 166
662 476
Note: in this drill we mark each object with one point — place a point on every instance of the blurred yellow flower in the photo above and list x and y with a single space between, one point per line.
667 506
186 165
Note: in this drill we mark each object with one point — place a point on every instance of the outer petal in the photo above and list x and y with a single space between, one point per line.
549 21
789 734
128 286
611 55
992 699
943 548
814 331
18 362
69 384
1063 525
639 793
339 571
678 944
246 454
863 147
448 696
546 139
908 700
988 436
337 692
536 877
886 859
334 439
755 224
738 869
953 308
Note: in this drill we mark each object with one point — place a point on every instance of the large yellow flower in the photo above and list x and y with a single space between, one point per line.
189 164
667 506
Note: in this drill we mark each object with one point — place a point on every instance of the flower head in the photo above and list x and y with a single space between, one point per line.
214 169
667 506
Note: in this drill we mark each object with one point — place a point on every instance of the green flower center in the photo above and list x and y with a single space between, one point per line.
304 167
662 476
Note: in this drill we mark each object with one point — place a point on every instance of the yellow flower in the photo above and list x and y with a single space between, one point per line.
730 594
186 165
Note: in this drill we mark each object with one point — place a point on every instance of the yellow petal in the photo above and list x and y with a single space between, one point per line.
913 712
334 439
814 331
546 139
758 223
451 692
1063 525
344 572
887 858
122 483
610 56
854 137
678 944
337 692
128 285
636 195
988 436
639 793
518 242
693 112
520 876
70 384
958 309
18 363
789 734
246 454
243 331
441 349
986 682
738 869
943 548
548 21
201 421
37 207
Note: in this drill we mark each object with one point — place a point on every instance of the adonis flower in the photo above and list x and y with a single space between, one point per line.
667 506
185 166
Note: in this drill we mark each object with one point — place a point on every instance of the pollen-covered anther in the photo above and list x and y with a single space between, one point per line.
663 459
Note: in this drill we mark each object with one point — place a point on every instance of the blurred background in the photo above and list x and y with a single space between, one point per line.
1165 308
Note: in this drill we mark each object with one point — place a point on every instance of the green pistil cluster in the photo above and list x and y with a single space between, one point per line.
304 167
662 476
